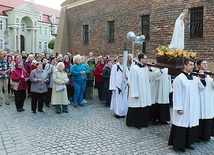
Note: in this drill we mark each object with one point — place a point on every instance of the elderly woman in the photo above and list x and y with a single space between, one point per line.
59 97
19 75
79 73
50 68
38 78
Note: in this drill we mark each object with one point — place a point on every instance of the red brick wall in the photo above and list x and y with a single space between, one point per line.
126 14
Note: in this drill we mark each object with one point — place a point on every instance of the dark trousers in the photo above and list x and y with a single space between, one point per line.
100 86
37 97
48 96
70 91
28 90
20 96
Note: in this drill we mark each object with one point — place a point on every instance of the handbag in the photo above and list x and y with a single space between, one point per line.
60 87
14 85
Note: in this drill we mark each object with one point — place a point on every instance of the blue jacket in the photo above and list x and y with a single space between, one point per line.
76 70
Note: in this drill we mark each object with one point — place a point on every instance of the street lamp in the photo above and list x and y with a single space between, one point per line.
135 39
52 28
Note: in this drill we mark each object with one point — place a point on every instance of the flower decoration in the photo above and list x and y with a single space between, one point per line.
175 53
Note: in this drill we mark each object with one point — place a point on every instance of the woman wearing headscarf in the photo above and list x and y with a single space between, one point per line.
20 75
59 97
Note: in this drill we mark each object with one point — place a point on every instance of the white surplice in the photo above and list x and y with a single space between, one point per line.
164 87
119 101
140 86
207 100
186 98
155 76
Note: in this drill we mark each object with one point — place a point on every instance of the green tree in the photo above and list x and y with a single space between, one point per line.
51 44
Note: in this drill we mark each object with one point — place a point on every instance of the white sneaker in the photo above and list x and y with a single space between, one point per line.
84 101
69 102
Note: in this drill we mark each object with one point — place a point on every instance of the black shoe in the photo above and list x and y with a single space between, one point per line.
182 150
117 116
40 111
19 110
23 109
48 105
75 106
34 112
58 112
191 147
82 105
65 111
163 123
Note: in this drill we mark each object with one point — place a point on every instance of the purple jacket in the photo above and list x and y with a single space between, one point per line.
27 66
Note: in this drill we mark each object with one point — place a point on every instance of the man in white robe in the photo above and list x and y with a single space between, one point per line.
119 100
160 110
186 108
139 94
206 104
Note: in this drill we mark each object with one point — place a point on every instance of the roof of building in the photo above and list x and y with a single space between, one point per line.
11 4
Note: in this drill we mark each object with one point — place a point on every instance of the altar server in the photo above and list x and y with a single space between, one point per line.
119 100
139 94
186 108
206 104
160 110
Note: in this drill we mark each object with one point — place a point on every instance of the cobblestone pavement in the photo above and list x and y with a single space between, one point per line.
91 129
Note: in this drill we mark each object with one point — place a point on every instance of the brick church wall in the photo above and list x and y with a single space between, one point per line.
126 15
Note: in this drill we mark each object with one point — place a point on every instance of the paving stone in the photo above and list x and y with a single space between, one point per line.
91 129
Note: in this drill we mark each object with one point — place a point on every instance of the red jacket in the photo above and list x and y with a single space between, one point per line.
98 73
32 67
16 77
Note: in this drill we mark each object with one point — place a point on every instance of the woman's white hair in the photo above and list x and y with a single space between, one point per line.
60 63
75 58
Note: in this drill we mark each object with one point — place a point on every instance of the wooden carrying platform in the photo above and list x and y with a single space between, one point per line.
174 65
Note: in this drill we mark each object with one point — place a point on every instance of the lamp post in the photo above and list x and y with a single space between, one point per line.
135 39
52 30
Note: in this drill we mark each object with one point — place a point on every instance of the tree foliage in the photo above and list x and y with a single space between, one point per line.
51 44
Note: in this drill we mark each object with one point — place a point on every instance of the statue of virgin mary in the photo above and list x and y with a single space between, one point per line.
177 41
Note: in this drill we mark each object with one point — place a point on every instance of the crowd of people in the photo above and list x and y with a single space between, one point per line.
140 92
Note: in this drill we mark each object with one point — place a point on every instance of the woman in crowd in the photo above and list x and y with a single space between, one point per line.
79 73
67 70
90 80
99 79
33 65
59 97
38 78
27 66
20 75
50 68
106 76
10 60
